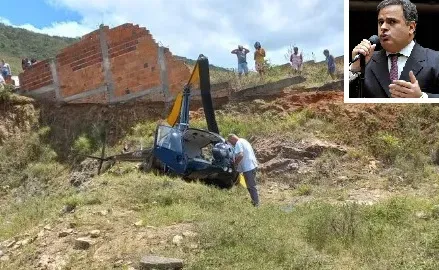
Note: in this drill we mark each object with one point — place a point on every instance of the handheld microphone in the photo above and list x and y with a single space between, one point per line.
374 40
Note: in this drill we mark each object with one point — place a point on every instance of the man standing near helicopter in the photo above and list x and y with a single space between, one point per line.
246 163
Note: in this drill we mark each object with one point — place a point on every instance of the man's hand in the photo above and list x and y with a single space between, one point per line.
403 89
366 49
238 159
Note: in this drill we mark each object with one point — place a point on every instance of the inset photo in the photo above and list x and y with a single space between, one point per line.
393 52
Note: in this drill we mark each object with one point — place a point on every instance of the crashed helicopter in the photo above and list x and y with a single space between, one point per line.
178 149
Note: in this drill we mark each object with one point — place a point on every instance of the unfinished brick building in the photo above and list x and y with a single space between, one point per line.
107 66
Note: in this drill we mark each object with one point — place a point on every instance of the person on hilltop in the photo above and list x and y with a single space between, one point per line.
241 53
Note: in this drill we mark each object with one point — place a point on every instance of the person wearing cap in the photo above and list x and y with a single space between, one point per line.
246 163
259 59
241 53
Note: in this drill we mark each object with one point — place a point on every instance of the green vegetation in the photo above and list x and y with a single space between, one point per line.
6 92
30 159
318 222
396 233
17 43
235 235
316 74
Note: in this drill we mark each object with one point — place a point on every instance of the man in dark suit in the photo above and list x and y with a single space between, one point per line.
403 68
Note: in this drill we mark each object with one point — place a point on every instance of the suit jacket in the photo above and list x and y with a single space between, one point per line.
422 61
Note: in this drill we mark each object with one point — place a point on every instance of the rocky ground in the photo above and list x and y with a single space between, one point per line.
293 171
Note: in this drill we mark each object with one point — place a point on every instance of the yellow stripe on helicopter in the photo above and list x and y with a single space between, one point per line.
175 112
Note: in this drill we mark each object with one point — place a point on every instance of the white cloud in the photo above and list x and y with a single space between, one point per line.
71 29
215 27
68 29
5 21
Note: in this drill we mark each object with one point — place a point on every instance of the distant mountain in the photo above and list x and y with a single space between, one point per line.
18 43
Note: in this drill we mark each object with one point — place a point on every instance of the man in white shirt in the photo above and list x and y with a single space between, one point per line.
403 69
5 69
2 82
246 163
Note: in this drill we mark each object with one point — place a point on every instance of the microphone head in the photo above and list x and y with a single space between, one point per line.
375 40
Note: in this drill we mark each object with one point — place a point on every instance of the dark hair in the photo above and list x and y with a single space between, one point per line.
326 51
409 9
257 45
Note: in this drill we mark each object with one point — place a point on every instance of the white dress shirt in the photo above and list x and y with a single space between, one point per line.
402 59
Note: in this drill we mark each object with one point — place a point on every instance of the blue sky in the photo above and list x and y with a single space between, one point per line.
38 13
191 27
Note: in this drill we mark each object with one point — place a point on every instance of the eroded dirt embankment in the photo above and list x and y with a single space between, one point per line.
17 117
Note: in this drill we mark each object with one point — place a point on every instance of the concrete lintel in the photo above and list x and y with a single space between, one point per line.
39 91
269 89
93 92
129 97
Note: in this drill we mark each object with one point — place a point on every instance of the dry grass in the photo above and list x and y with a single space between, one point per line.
314 73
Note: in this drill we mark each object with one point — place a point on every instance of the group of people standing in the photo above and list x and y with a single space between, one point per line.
259 57
296 60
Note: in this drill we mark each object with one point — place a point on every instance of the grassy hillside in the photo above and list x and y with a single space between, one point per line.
374 207
315 74
17 43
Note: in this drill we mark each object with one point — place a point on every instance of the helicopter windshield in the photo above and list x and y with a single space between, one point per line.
169 138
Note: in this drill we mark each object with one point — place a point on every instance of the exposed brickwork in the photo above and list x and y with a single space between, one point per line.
178 73
37 77
79 66
134 67
133 56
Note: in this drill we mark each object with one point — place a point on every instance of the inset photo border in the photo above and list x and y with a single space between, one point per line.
361 22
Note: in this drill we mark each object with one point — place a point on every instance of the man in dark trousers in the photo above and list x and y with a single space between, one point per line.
246 163
403 68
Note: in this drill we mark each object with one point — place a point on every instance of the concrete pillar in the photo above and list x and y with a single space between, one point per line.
106 64
164 79
55 80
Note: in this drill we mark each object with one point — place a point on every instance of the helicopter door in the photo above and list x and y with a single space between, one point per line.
168 148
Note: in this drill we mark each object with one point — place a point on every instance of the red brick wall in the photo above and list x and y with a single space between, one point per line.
79 66
133 57
36 77
178 73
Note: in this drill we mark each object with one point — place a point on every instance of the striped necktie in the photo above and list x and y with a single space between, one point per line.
394 66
